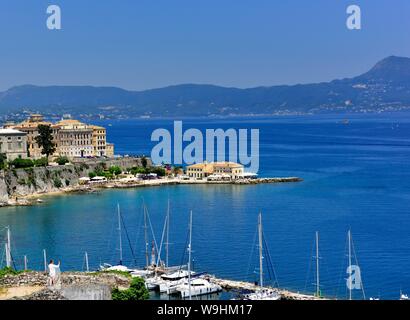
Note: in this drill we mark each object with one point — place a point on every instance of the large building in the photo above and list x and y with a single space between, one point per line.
30 127
72 138
13 144
204 170
99 141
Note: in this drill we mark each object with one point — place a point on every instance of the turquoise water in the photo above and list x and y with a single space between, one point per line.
355 176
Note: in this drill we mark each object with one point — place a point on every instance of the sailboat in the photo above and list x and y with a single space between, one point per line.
262 293
192 287
120 266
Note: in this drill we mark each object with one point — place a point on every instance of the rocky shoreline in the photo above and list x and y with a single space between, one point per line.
37 198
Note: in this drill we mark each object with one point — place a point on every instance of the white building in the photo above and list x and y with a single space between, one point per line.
13 144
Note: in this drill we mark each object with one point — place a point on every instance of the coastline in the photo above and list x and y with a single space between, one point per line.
36 198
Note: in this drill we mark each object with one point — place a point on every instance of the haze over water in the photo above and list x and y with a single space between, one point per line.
356 176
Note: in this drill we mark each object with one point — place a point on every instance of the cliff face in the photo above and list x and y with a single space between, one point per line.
15 183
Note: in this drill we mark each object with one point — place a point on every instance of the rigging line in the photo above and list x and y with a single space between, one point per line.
270 260
267 260
128 239
341 270
139 227
248 271
184 251
357 263
162 240
152 230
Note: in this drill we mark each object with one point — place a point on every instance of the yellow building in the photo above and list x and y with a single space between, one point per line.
109 151
74 139
204 170
30 127
99 141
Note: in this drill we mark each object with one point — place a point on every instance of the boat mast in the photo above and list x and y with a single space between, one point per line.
146 237
189 255
8 248
317 266
260 251
349 236
119 231
167 240
86 262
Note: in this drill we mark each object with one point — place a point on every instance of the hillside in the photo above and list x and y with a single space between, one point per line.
386 87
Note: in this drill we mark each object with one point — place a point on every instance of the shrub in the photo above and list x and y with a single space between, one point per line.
137 291
62 160
57 182
22 163
92 174
43 162
115 170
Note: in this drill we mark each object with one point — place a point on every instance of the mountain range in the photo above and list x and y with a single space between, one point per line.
386 87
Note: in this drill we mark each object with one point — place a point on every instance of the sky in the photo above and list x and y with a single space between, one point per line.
139 44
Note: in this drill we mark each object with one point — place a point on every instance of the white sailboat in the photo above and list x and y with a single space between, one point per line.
262 293
197 286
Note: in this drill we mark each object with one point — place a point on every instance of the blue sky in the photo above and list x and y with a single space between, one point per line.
138 44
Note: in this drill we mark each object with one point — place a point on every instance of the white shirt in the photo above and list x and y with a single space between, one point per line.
53 269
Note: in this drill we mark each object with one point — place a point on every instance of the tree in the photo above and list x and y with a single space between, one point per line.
115 170
45 140
62 160
137 291
3 160
144 162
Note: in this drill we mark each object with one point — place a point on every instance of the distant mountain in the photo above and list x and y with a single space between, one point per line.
386 87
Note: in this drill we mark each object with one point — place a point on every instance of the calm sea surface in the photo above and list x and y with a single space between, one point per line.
356 176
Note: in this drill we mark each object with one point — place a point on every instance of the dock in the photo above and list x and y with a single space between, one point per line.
230 285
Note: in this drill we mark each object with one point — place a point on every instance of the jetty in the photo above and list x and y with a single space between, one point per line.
230 285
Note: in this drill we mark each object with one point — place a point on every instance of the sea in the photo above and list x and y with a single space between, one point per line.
356 176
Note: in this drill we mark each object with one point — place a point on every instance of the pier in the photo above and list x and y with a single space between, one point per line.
229 285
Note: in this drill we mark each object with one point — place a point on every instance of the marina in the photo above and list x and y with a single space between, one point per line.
337 193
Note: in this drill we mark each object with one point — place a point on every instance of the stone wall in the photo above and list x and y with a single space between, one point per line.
75 285
16 183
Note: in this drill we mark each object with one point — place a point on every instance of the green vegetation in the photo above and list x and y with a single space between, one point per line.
120 273
22 163
28 163
45 140
158 170
115 170
8 271
57 182
109 174
144 162
43 162
137 291
62 160
3 161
